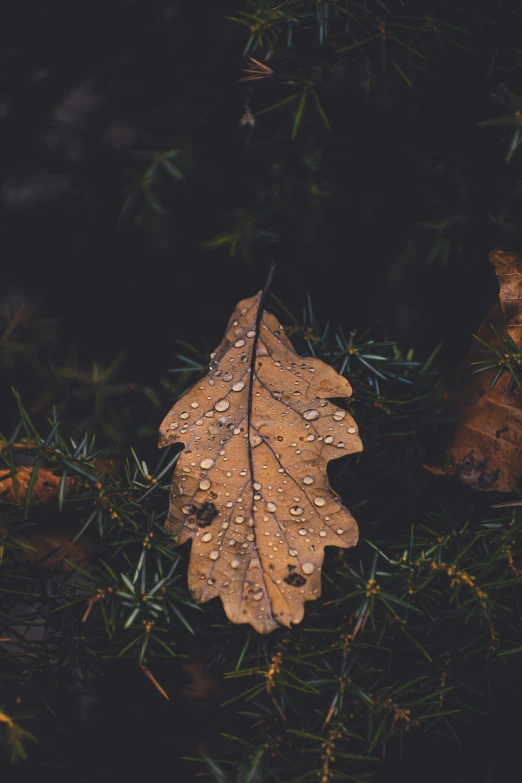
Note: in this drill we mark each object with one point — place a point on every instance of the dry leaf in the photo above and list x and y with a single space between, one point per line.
485 451
251 489
14 487
50 549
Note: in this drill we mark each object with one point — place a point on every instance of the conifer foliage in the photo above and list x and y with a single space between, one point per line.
323 134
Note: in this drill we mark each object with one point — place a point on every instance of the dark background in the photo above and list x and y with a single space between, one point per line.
82 87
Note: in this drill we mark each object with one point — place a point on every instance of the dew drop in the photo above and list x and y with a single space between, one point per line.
199 422
319 501
293 552
310 437
308 480
250 537
311 415
184 415
339 531
258 595
206 463
257 485
302 531
239 519
271 507
239 343
308 568
237 387
174 425
206 537
251 333
322 533
235 563
214 554
222 405
328 439
194 404
351 430
339 415
295 511
204 484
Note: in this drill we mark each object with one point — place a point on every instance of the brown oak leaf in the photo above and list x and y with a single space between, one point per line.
13 487
485 451
250 488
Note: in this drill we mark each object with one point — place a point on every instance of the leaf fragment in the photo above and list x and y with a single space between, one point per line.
485 451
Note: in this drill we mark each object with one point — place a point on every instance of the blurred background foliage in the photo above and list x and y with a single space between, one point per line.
156 157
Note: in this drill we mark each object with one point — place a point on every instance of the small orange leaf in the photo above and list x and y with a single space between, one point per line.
251 488
14 487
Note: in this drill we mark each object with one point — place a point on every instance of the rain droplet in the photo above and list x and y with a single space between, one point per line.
340 531
308 568
174 425
258 595
239 519
250 537
239 343
351 430
322 533
311 415
293 552
251 333
227 376
295 511
235 563
206 463
339 415
302 531
199 422
184 415
214 554
238 386
319 501
213 365
271 507
194 404
222 405
204 484
329 439
340 445
308 480
257 485
206 537
310 437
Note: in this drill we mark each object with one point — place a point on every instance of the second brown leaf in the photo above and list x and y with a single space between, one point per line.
485 451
